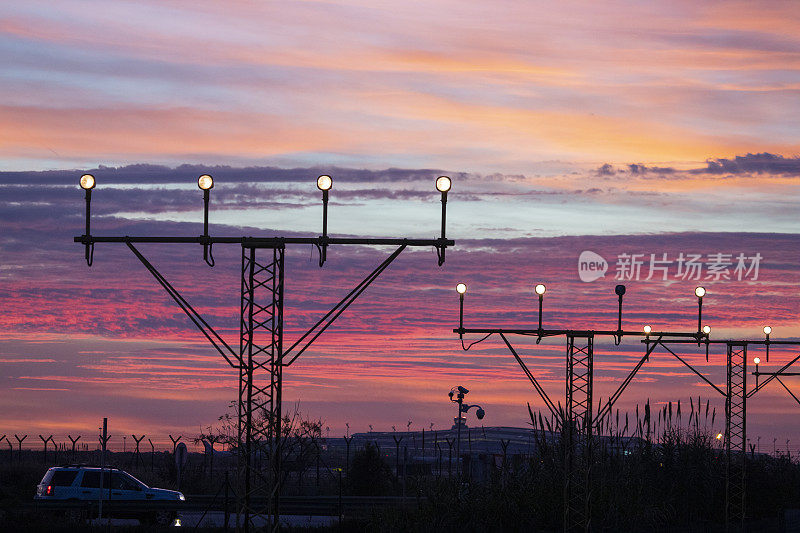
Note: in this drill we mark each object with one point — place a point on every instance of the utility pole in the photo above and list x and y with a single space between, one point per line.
103 442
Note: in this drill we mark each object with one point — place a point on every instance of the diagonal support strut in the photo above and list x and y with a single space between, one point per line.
213 337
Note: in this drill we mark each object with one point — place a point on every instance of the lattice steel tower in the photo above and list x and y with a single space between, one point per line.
262 356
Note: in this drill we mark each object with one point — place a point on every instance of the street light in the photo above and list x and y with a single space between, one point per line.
461 289
647 330
324 183
767 331
706 330
443 184
757 360
699 292
205 182
620 291
88 183
540 289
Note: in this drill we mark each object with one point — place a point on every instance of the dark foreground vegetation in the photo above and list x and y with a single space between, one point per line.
680 487
651 475
654 474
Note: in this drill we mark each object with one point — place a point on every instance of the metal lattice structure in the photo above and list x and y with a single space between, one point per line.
262 356
735 394
260 382
736 431
578 422
578 432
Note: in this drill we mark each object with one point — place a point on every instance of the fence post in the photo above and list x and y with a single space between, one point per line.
136 453
450 443
19 441
74 441
152 454
319 452
227 511
45 441
175 442
212 439
397 456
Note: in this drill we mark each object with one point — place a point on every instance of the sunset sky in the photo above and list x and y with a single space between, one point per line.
654 130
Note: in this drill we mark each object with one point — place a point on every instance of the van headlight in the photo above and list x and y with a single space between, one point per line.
181 497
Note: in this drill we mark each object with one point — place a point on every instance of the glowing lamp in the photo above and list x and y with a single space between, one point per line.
757 360
443 184
540 289
87 182
461 288
700 292
647 330
706 329
205 182
324 182
767 330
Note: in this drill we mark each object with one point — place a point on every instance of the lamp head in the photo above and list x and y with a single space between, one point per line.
706 329
324 182
462 390
699 292
647 330
443 184
450 394
87 182
540 289
480 413
620 290
767 330
757 360
461 288
205 182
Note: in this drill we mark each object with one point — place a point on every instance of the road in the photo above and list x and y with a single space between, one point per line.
217 519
